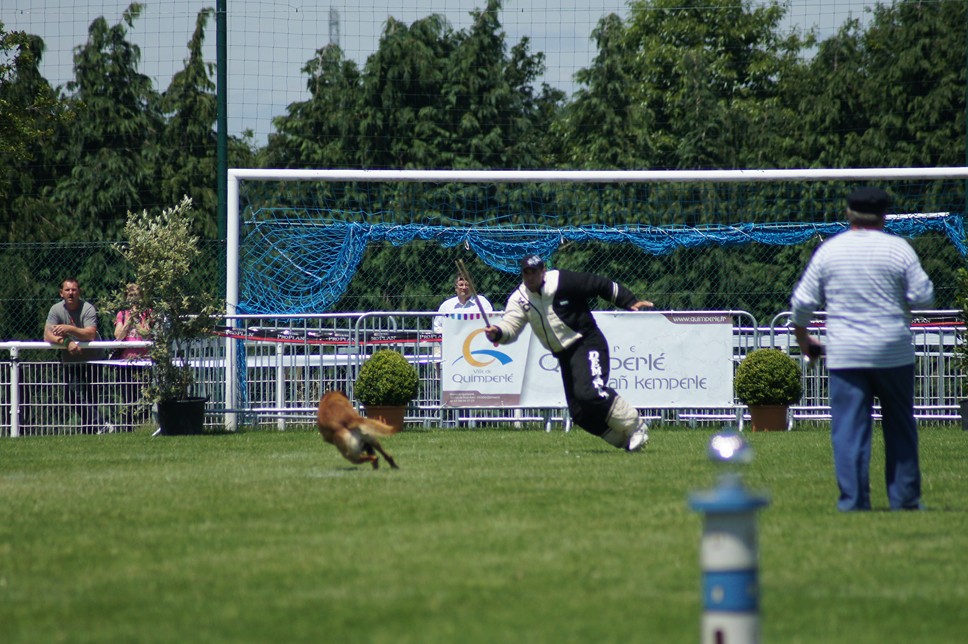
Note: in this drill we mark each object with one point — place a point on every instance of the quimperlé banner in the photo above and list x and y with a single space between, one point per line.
657 359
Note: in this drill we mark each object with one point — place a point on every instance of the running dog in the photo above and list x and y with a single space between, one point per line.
353 435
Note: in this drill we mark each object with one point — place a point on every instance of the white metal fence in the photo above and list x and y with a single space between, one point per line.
939 379
282 364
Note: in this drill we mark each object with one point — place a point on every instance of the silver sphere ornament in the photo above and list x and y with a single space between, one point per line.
730 448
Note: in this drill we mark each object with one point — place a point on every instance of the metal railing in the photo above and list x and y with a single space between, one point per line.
33 395
939 379
282 364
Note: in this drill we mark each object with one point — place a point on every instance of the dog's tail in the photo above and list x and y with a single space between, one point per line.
375 427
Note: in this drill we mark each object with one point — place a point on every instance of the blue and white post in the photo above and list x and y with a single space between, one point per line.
728 553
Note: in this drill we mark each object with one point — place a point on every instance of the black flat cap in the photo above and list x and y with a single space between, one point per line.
870 201
532 261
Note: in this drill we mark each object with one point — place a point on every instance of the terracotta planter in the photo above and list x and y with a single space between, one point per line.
769 418
392 415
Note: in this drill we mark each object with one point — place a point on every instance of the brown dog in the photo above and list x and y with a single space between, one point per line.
353 435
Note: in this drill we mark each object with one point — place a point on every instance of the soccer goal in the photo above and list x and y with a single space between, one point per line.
691 240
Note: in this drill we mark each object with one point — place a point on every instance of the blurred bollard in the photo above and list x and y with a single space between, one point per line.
728 551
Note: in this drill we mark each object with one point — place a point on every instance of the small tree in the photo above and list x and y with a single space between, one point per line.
164 254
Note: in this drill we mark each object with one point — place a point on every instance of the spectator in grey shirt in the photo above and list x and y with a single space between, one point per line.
70 322
868 281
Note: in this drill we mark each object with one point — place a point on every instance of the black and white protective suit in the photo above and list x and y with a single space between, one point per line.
561 319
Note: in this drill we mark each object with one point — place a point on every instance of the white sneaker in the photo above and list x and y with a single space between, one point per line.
639 437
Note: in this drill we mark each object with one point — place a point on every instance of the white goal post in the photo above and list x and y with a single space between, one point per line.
235 175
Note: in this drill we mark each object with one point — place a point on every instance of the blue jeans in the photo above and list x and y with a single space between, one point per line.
852 394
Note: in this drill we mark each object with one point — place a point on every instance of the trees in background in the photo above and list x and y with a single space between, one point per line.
30 111
429 97
106 158
893 95
605 126
685 85
187 160
75 160
913 86
320 132
694 85
111 142
678 84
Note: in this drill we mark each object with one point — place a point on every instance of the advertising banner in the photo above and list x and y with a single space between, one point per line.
656 360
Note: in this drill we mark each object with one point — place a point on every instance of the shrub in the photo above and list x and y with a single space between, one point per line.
768 377
164 255
386 378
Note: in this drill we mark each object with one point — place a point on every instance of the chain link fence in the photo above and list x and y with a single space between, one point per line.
417 277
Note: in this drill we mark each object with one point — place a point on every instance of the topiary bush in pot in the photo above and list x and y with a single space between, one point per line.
386 379
768 377
768 382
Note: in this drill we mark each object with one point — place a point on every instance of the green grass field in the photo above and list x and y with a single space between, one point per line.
493 535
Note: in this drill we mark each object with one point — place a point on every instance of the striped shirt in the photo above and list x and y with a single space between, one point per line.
868 281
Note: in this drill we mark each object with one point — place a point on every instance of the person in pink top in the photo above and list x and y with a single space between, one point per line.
132 324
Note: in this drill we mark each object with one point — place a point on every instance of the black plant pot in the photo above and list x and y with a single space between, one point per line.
181 417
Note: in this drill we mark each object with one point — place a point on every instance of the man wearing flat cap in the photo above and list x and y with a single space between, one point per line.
868 281
556 305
